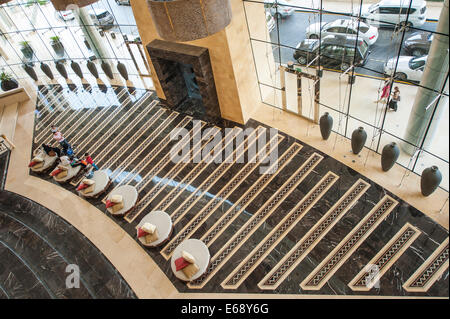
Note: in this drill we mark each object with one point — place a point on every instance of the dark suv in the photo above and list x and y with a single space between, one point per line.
418 43
335 51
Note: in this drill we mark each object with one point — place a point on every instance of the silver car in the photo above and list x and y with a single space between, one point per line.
279 9
102 18
343 27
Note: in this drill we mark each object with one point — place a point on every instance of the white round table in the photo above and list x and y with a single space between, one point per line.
163 224
197 249
129 194
71 173
101 179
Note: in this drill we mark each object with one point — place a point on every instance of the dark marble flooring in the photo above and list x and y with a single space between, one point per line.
36 249
310 227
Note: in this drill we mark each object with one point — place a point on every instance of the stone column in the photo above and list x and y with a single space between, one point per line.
434 77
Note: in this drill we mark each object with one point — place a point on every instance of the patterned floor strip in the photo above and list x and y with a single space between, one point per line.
256 188
75 127
52 101
430 271
192 175
111 120
322 273
293 258
385 258
166 159
228 250
167 200
155 151
219 198
170 175
115 126
152 154
46 114
248 265
215 176
136 135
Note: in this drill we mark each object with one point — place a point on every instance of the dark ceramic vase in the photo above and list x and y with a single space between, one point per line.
46 69
30 71
430 180
8 85
92 68
77 69
389 156
61 69
122 70
107 69
326 124
359 137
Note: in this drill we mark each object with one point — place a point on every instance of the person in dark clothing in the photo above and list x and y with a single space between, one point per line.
48 148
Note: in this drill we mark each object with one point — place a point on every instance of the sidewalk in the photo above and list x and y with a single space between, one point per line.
345 6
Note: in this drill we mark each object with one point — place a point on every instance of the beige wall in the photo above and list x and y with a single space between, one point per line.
231 59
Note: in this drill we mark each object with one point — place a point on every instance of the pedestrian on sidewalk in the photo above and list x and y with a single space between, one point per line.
89 160
57 135
384 91
393 103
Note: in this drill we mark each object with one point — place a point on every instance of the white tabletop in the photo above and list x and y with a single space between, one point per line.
129 194
71 172
197 249
163 224
101 179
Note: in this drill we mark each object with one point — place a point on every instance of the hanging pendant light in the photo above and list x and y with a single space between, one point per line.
107 69
187 20
61 69
77 69
46 69
61 5
122 70
92 68
30 71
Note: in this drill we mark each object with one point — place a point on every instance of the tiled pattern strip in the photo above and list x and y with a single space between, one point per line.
430 271
170 175
227 250
322 273
220 197
385 258
138 150
239 206
134 137
94 147
146 200
239 152
81 119
248 265
111 121
293 258
192 175
165 159
40 100
46 119
52 100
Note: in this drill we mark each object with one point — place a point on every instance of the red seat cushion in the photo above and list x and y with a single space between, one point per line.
181 263
109 203
32 164
141 233
82 186
56 172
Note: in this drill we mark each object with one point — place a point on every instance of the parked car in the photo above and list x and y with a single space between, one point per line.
123 2
270 22
394 12
408 67
278 9
344 27
64 15
102 18
418 44
335 51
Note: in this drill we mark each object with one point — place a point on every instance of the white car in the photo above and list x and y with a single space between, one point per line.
343 27
64 15
408 67
279 9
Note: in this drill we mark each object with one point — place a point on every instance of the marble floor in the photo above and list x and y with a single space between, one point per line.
313 227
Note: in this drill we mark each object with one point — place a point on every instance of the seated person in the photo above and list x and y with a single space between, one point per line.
48 148
78 162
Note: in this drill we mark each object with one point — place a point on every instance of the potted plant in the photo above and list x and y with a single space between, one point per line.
26 49
57 45
7 82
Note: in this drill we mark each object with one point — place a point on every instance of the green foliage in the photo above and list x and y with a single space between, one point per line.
5 76
55 38
24 44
